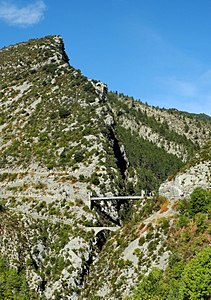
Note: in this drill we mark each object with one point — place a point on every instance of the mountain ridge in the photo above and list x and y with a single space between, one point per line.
64 136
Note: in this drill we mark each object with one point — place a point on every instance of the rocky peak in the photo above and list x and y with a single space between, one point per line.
33 54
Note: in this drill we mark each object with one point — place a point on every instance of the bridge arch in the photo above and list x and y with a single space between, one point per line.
99 230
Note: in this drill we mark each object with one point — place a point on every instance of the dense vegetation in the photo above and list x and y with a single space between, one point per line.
188 275
152 164
13 283
180 281
161 121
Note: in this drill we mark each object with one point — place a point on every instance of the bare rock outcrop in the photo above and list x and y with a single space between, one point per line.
184 183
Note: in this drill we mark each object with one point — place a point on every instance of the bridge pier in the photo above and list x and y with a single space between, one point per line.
90 199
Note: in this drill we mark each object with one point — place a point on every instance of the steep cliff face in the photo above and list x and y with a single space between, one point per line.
56 141
57 146
197 173
64 138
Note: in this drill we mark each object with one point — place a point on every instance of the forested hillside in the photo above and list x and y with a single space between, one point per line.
157 142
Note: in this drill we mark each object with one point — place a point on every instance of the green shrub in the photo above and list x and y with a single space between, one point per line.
63 112
2 206
78 156
13 284
183 220
196 277
51 68
95 180
81 177
200 201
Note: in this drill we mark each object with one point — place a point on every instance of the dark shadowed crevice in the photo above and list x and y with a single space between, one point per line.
96 246
42 285
86 266
125 211
101 238
120 160
105 217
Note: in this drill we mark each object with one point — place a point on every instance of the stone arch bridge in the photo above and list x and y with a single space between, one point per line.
99 229
110 198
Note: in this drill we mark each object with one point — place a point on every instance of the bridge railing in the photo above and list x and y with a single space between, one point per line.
116 198
110 198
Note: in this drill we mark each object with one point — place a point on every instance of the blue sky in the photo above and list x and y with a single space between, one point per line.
158 51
